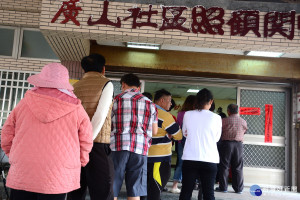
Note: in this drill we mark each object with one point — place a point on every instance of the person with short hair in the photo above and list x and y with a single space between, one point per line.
202 129
231 154
134 122
96 94
148 95
220 112
160 152
47 137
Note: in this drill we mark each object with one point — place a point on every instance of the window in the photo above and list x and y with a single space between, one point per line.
34 45
8 41
13 87
24 43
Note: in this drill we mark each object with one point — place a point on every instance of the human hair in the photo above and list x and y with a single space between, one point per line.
148 95
203 98
93 62
220 109
233 108
189 103
173 105
160 93
130 80
212 107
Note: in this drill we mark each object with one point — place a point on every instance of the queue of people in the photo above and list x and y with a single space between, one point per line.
63 140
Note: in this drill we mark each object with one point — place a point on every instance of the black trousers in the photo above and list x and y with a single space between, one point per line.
97 176
219 144
205 171
25 195
231 155
154 188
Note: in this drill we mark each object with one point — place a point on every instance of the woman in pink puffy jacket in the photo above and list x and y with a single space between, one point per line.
47 137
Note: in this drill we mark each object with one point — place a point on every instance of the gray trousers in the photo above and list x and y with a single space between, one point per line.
231 155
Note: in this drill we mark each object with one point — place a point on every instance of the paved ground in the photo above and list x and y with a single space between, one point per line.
266 195
269 195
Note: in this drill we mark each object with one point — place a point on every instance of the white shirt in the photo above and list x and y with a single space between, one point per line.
202 130
102 108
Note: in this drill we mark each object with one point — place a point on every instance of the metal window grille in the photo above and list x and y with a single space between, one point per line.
13 87
256 98
117 87
265 156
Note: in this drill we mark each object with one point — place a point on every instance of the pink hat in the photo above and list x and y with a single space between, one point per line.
53 75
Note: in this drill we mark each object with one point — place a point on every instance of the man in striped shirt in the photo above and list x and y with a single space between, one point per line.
134 121
160 152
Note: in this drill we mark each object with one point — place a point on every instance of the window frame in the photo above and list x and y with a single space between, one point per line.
21 43
15 47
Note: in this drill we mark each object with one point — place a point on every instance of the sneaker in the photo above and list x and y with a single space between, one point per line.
241 192
218 190
175 191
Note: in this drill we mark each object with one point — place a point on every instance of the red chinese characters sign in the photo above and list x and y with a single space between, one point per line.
70 12
204 21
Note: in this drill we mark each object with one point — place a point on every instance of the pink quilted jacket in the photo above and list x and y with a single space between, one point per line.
47 141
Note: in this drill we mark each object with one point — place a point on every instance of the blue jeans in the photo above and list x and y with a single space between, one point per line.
178 172
133 167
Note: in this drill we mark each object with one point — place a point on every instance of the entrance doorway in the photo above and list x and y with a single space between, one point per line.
223 96
265 164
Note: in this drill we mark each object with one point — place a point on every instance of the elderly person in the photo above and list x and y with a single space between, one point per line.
47 137
233 131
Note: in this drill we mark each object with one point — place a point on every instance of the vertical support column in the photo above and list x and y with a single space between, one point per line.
297 134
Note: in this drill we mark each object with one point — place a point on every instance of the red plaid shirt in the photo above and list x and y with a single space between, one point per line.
132 118
233 128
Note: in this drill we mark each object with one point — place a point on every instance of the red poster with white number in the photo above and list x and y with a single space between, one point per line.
268 123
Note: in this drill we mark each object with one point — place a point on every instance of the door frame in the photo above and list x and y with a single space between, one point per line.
279 141
290 152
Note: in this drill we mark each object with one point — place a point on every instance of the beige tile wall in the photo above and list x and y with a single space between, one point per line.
21 13
71 42
153 35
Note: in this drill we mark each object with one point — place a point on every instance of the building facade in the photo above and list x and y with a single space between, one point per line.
201 43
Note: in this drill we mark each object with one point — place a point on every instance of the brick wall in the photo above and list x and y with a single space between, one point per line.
22 64
153 35
21 5
21 13
71 42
